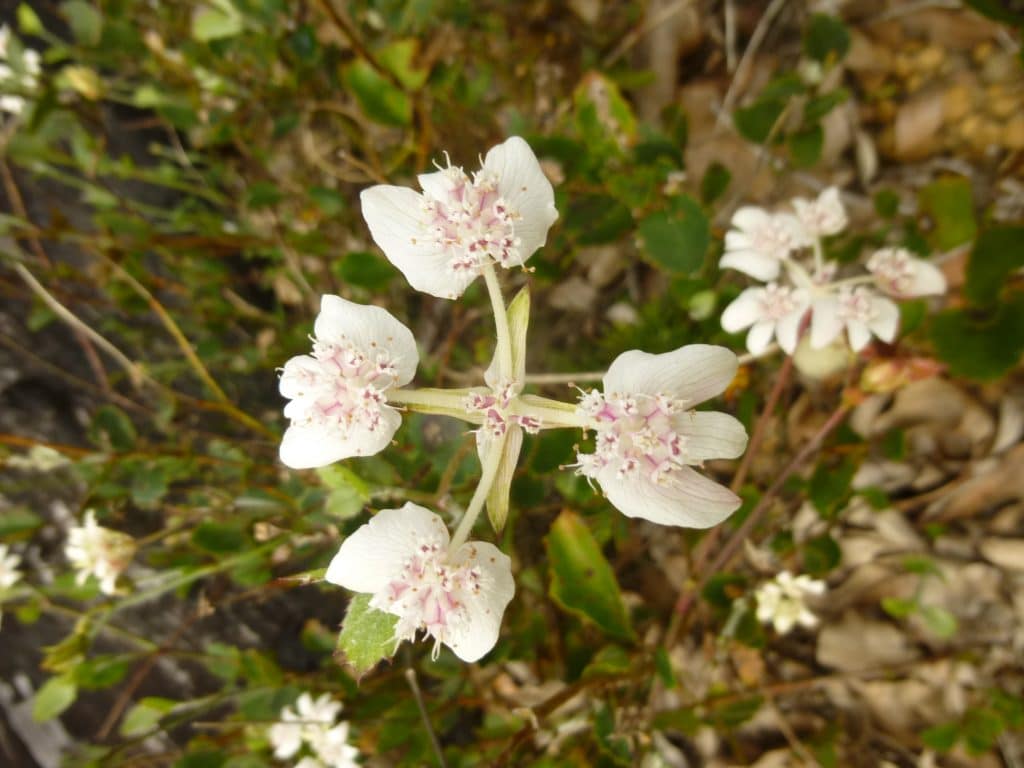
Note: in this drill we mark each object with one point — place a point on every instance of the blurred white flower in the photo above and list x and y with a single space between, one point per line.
97 551
39 458
402 558
312 722
899 273
822 216
758 242
772 311
781 602
442 239
648 438
10 563
24 77
859 311
338 394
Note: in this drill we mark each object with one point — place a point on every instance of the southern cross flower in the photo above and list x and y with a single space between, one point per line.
823 216
338 394
758 242
442 239
402 558
899 273
781 602
648 438
772 311
311 722
97 551
859 311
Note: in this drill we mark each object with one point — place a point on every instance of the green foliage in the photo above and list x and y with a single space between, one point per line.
949 203
981 343
53 697
367 636
826 38
677 239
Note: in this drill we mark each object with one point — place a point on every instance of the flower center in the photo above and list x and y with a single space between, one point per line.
340 386
429 593
856 305
893 268
494 406
636 435
778 301
471 222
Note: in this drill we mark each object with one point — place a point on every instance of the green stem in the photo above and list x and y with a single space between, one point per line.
447 402
488 472
504 349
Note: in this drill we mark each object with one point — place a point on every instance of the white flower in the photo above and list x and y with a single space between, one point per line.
97 551
442 239
9 568
402 558
899 273
311 722
24 80
860 311
40 458
648 438
759 241
772 311
823 216
781 601
332 747
338 395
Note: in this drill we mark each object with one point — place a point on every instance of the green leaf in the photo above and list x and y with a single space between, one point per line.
829 487
733 714
941 738
755 122
715 182
379 98
805 146
112 429
612 745
145 715
939 621
821 555
949 203
677 240
981 344
18 520
28 21
981 730
898 607
399 58
582 580
610 660
998 252
367 636
219 537
826 38
100 672
364 269
216 20
819 106
85 21
53 697
329 201
347 494
596 219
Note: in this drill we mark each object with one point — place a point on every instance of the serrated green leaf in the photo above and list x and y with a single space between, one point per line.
582 580
367 636
53 697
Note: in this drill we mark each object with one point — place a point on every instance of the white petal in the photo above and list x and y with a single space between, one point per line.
692 373
711 435
478 635
788 328
370 327
291 384
760 336
744 311
693 501
435 184
825 322
393 216
372 556
752 263
305 446
749 217
886 321
859 335
928 280
526 189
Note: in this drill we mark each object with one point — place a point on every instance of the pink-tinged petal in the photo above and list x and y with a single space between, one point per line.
760 336
473 639
928 279
826 325
886 319
744 311
787 331
437 184
306 446
691 501
373 556
393 215
858 334
749 262
370 328
296 375
693 373
522 183
711 435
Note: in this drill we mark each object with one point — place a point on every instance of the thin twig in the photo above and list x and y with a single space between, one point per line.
414 686
636 34
763 24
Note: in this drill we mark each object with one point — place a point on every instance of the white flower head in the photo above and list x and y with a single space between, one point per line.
772 311
859 311
10 564
441 239
647 438
781 602
759 241
24 78
312 722
338 394
899 273
822 216
97 551
402 558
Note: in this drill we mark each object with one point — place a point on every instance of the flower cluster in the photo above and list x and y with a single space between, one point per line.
97 551
785 251
782 601
312 723
345 400
19 71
